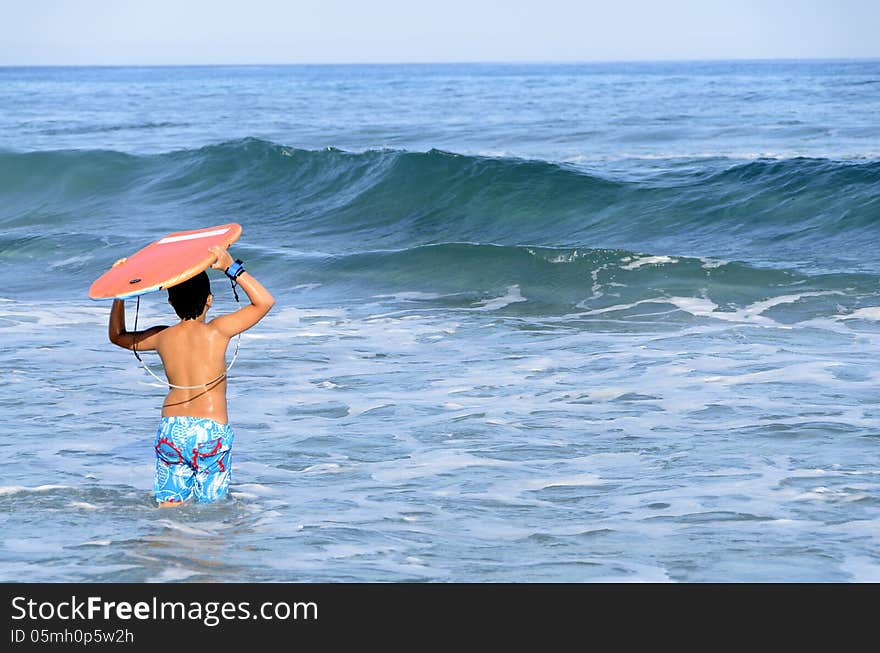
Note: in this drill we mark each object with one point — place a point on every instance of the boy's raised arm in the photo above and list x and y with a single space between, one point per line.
144 340
247 316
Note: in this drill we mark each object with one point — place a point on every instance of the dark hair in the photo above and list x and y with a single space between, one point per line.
189 298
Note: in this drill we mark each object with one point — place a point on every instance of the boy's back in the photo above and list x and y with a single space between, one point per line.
193 352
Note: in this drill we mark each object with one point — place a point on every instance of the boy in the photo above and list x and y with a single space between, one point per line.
194 439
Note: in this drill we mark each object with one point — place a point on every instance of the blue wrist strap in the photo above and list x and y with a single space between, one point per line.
235 270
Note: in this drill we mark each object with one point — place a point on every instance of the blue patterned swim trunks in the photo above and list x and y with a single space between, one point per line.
192 459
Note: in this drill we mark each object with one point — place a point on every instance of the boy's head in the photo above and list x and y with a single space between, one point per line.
190 297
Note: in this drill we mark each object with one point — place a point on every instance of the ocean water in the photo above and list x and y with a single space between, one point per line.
609 322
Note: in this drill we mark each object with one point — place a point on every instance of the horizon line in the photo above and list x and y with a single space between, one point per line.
498 62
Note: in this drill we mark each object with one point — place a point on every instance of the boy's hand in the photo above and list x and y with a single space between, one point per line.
224 260
119 262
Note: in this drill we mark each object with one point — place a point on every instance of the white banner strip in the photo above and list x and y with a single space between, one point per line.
204 234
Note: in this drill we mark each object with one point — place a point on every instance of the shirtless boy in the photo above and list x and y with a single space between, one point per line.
194 440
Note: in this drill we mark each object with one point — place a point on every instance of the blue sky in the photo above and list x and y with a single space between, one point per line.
36 32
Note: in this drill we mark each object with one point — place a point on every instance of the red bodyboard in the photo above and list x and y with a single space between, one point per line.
164 263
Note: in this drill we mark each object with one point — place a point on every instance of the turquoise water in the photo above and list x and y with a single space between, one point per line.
534 323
